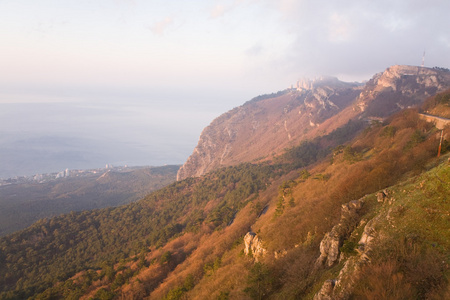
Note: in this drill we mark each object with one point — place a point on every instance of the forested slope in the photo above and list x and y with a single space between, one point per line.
187 240
22 204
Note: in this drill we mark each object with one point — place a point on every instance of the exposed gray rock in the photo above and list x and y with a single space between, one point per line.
329 248
253 245
326 292
341 287
332 241
366 238
267 125
381 196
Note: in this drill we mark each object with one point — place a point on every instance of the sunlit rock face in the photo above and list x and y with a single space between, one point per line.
400 87
263 127
266 125
253 245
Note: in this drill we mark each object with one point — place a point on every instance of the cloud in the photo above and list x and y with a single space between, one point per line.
254 50
160 27
126 2
339 28
362 37
217 11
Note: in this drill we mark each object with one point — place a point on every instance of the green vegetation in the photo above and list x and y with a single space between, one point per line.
388 131
309 152
439 105
443 98
259 281
23 204
285 196
177 293
351 155
184 241
411 261
58 248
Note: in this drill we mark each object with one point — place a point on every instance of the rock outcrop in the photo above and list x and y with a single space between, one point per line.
332 241
253 245
341 287
381 196
326 291
400 87
266 125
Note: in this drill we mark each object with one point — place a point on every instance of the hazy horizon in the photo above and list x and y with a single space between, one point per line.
46 137
86 83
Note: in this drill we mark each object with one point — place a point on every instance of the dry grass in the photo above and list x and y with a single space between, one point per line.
298 230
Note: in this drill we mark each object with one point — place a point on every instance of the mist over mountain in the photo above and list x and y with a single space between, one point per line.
262 128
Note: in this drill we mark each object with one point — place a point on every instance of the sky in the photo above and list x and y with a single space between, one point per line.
143 73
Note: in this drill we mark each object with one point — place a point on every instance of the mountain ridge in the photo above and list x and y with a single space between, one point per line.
258 230
250 133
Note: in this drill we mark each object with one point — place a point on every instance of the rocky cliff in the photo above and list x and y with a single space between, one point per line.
265 126
253 246
399 87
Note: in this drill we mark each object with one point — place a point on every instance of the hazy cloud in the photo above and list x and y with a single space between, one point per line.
217 11
339 28
363 37
220 10
160 27
254 50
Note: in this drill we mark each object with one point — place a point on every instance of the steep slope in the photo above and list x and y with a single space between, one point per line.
398 248
265 126
187 240
272 230
400 87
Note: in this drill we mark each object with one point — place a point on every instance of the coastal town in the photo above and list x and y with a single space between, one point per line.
43 178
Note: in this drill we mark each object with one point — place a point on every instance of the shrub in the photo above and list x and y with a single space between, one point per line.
388 131
104 294
165 258
349 247
382 281
259 281
351 155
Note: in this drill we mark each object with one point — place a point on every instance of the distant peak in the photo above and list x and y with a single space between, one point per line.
308 83
399 70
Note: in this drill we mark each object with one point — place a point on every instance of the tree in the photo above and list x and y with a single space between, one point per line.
259 281
165 258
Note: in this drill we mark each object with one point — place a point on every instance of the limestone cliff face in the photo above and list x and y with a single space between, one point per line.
332 241
400 87
265 126
253 245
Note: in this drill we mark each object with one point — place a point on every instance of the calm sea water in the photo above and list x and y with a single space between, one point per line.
50 137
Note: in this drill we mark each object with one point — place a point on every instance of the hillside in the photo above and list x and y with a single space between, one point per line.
262 128
22 204
260 231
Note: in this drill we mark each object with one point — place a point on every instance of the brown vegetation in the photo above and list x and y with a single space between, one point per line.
201 255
